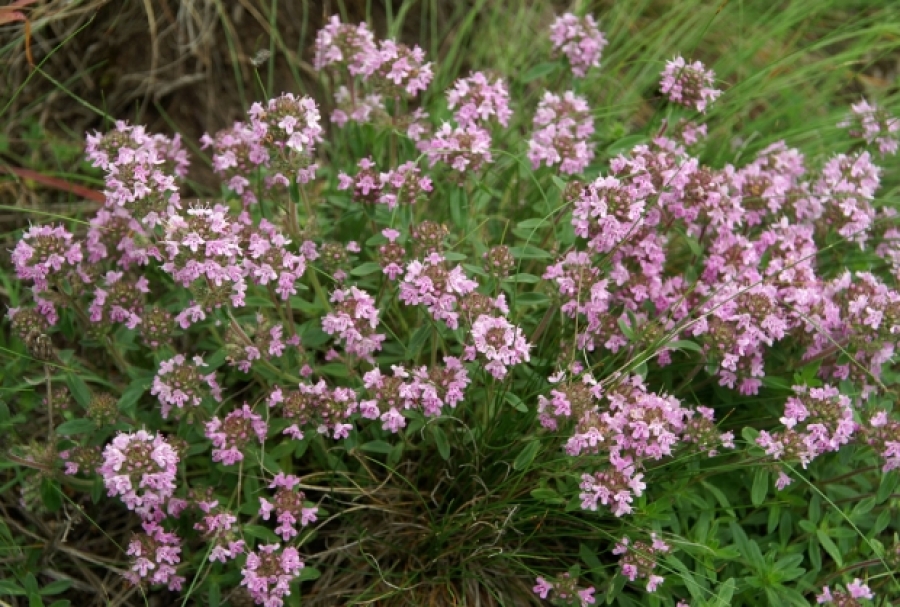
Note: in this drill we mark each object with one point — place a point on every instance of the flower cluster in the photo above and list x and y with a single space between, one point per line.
689 84
403 185
354 320
121 301
579 39
564 590
140 468
203 251
288 505
816 421
279 136
246 343
43 253
401 70
501 343
883 434
219 527
629 423
463 148
477 100
142 170
430 283
563 127
351 47
268 573
392 71
179 383
268 260
875 125
316 405
638 560
846 598
423 389
231 435
155 554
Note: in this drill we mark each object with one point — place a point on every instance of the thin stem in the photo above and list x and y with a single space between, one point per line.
52 429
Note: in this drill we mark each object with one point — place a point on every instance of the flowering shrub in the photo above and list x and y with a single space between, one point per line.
654 378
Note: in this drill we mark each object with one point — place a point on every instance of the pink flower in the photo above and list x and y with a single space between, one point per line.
231 435
501 343
179 383
875 125
44 252
580 40
140 468
689 85
430 283
464 148
268 573
475 100
563 127
354 320
154 557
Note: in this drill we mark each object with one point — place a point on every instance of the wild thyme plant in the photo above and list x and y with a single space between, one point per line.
642 382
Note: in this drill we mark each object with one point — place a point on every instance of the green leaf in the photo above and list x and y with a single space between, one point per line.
779 383
531 299
625 329
454 256
10 588
807 526
369 267
261 533
132 395
559 183
56 587
395 455
760 486
881 523
51 495
80 391
534 223
523 278
815 509
333 370
440 439
76 426
815 554
417 341
529 252
684 344
625 144
750 435
887 486
720 497
589 558
526 456
539 71
864 507
544 494
377 446
830 547
516 402
774 516
308 574
726 591
214 596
